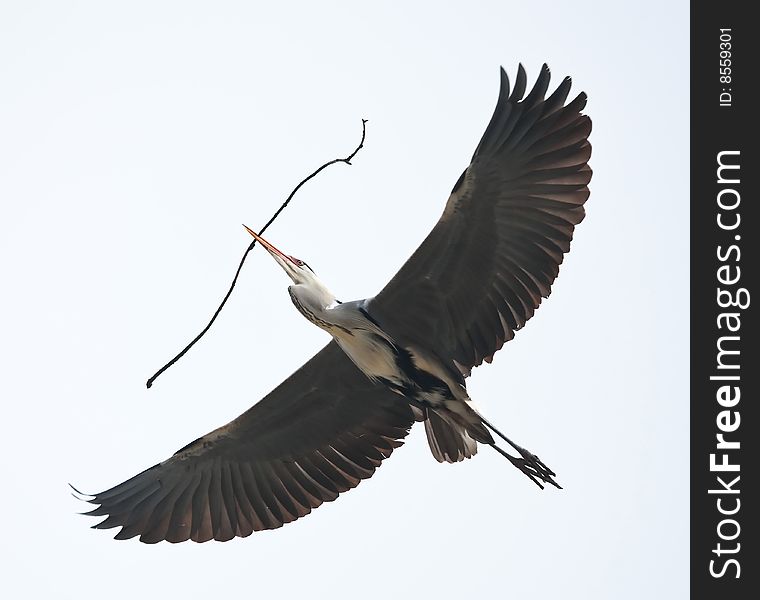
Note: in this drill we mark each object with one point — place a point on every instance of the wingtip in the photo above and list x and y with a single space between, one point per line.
522 76
504 84
582 99
520 82
80 495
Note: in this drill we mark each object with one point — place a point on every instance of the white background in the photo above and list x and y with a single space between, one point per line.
136 137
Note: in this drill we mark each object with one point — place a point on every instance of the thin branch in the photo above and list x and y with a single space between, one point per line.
346 160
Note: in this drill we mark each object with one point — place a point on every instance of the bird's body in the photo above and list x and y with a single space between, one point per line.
396 358
370 348
421 378
424 380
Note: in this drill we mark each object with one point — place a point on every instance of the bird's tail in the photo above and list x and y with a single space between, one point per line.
451 438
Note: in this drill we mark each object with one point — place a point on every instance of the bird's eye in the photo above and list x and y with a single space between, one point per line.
301 263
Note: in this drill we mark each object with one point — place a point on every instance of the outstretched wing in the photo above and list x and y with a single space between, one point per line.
496 250
321 432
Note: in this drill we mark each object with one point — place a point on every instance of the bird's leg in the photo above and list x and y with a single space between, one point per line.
536 475
529 464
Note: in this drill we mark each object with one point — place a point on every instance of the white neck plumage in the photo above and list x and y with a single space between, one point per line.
315 302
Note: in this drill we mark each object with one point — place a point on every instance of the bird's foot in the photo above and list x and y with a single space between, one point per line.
533 467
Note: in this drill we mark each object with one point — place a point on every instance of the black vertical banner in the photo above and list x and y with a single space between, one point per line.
725 226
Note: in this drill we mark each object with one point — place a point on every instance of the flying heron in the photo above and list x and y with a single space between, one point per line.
399 357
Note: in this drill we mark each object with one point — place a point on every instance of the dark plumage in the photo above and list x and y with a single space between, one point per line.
476 279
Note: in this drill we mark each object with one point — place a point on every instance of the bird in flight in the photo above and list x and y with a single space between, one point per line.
397 358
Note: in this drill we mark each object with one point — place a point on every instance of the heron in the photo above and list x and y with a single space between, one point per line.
400 357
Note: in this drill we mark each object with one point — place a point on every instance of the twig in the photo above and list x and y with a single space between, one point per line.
346 160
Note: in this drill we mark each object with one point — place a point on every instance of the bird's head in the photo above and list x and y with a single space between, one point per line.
296 268
307 284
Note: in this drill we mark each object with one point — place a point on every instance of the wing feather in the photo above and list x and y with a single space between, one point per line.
495 252
320 433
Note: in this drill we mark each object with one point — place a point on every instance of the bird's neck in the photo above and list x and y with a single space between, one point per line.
315 303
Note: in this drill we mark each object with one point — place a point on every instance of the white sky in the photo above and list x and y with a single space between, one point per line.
136 137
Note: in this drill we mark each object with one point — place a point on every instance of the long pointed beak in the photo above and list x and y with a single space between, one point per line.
286 262
270 248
